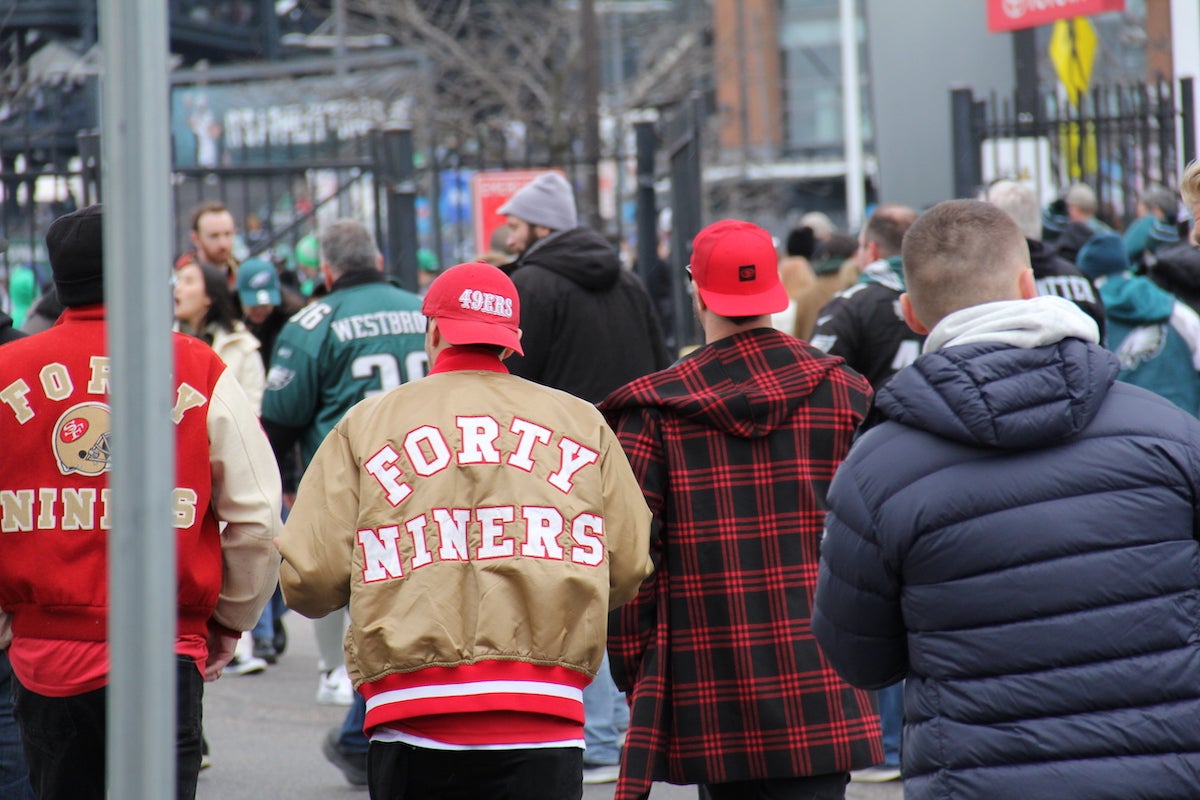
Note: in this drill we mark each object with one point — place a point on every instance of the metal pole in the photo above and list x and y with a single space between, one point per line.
137 251
965 144
616 45
339 38
851 120
1187 103
647 211
89 157
591 111
402 206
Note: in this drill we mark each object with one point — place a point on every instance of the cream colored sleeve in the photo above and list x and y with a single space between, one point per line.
319 538
253 379
626 525
246 497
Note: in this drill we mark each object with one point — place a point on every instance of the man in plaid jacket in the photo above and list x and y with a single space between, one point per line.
734 447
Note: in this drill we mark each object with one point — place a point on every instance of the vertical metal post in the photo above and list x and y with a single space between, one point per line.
1025 63
967 167
379 182
851 115
339 39
1187 107
647 211
141 544
683 136
591 111
401 206
89 158
268 26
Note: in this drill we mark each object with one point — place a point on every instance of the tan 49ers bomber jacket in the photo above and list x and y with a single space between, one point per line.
474 522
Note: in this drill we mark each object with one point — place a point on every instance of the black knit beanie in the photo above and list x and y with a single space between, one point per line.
76 248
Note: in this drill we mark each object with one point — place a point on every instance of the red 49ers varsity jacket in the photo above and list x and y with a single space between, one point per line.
54 497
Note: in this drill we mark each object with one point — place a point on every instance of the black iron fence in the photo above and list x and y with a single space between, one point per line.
414 197
1117 139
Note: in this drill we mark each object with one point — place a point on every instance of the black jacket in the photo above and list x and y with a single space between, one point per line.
588 326
7 332
1057 276
863 325
1177 269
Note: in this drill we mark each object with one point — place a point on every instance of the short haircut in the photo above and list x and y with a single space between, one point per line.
1020 202
1082 197
959 254
819 223
347 246
206 207
838 245
1161 198
1189 184
886 228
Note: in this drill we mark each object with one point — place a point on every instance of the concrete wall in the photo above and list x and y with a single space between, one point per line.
918 51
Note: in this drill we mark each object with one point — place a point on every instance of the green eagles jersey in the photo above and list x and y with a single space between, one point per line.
352 343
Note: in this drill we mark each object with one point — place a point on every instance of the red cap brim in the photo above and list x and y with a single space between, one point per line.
771 301
467 332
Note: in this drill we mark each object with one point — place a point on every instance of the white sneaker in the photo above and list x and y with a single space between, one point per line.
334 688
880 773
601 773
244 661
245 665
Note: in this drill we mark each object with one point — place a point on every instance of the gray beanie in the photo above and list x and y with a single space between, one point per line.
547 200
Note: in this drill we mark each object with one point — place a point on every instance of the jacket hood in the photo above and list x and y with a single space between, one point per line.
1136 300
999 396
746 385
581 255
1012 375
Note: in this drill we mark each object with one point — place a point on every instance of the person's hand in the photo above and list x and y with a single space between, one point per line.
220 653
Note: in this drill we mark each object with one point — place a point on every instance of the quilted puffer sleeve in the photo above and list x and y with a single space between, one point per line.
856 615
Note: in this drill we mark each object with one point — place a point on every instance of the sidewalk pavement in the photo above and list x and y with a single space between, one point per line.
265 730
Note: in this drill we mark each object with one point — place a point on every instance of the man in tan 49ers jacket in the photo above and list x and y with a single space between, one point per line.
481 527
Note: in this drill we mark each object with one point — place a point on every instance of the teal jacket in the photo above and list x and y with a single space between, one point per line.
1155 339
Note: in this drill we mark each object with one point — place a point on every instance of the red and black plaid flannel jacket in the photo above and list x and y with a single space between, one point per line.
735 447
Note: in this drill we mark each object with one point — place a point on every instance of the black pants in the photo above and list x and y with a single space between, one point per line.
397 771
815 787
64 738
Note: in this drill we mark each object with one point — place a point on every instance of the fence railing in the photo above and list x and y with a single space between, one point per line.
1120 140
280 191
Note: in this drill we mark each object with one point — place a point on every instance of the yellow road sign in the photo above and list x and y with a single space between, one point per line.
1073 51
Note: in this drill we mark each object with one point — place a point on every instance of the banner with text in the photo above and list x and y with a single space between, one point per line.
1013 15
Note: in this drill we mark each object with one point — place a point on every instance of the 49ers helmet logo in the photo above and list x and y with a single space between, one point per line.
81 439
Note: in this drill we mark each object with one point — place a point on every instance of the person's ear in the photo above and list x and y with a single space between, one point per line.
1027 284
910 316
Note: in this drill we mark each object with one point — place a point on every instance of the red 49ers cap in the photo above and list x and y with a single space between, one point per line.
475 303
736 271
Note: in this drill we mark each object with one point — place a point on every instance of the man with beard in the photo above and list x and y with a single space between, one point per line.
213 234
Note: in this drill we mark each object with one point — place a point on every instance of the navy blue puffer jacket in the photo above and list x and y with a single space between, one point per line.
1017 538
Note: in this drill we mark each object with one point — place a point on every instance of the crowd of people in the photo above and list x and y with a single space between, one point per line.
921 505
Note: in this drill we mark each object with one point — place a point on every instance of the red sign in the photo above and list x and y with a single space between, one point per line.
1013 15
489 191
